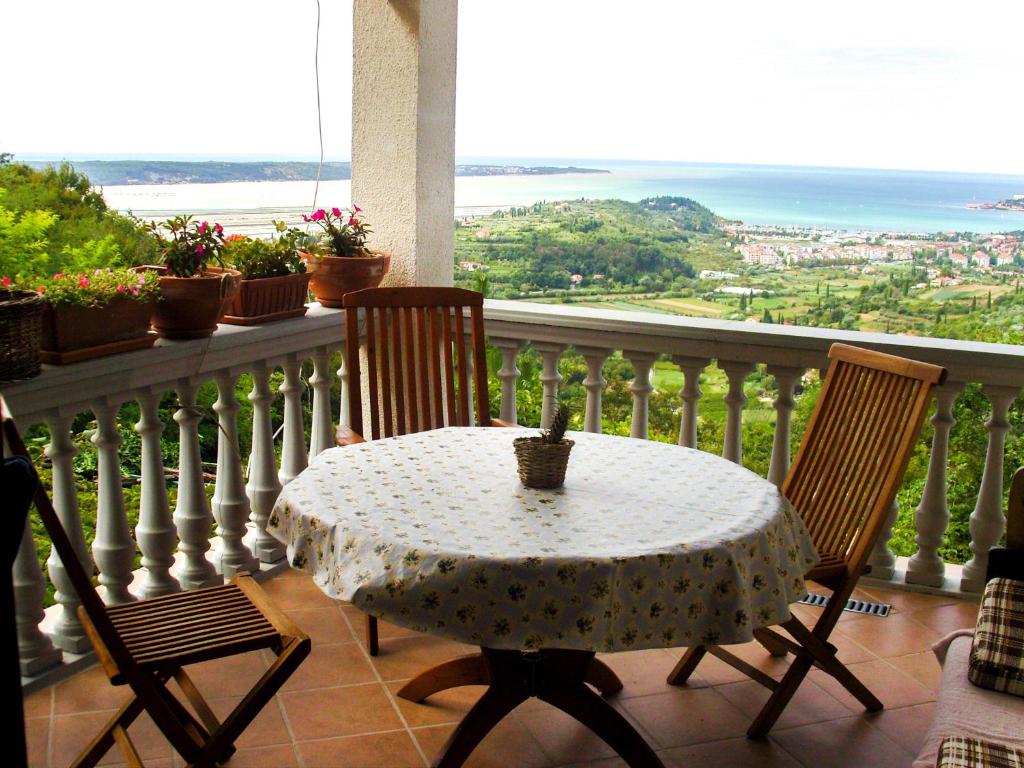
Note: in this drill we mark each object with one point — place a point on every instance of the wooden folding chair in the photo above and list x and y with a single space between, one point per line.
843 483
147 643
417 367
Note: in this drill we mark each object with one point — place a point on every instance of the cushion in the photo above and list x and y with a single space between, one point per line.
997 656
959 752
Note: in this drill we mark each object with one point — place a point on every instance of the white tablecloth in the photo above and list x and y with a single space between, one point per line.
646 545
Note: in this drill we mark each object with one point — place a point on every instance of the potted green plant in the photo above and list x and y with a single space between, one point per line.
274 282
339 261
193 295
544 458
95 314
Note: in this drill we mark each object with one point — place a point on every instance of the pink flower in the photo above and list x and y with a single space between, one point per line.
83 282
202 228
357 209
135 291
306 218
98 272
6 282
141 280
318 215
200 249
121 289
59 276
352 221
336 212
219 229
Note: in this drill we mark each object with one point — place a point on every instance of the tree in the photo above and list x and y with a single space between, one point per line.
767 316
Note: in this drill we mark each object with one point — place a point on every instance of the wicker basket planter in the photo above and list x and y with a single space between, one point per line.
541 464
20 326
267 299
73 333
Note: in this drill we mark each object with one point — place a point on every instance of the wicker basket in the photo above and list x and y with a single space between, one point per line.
542 465
20 328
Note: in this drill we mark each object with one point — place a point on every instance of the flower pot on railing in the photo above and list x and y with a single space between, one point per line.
331 277
191 307
20 313
265 299
73 333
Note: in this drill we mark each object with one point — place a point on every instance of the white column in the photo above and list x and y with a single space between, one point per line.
508 374
322 435
786 379
882 560
594 384
67 632
932 515
641 388
230 505
735 399
293 446
343 414
155 532
690 394
987 520
403 133
264 485
113 548
192 515
550 378
35 650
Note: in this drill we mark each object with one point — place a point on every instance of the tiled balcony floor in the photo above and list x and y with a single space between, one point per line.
339 709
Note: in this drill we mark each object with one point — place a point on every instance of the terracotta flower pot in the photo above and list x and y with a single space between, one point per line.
331 277
266 299
74 333
191 307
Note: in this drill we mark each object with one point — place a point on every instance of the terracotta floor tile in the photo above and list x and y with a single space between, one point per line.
37 740
906 726
280 756
88 691
40 703
394 750
510 743
295 590
849 743
323 625
895 635
644 672
923 667
563 738
757 656
904 601
810 704
946 618
686 716
326 713
267 729
732 753
608 762
230 676
710 671
331 665
385 629
71 734
404 657
889 684
442 708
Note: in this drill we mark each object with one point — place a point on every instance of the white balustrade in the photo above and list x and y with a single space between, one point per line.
594 385
690 394
230 505
264 485
35 650
113 549
550 378
735 399
641 388
786 379
155 532
293 442
343 414
508 375
882 560
322 436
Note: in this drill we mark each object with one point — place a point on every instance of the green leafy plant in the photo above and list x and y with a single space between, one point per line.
92 289
257 259
344 233
191 245
555 434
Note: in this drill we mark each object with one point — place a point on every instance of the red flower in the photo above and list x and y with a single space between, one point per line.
83 282
42 289
6 282
219 229
59 276
202 228
357 209
232 238
121 289
352 221
318 215
306 218
200 250
336 212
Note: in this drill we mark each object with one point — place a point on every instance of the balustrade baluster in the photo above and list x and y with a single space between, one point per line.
343 414
113 548
264 485
550 379
987 519
786 379
690 394
192 516
155 532
735 399
230 505
322 436
594 384
882 560
932 515
508 374
293 447
641 388
35 650
68 633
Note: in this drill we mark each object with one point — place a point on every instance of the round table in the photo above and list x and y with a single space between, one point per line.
646 545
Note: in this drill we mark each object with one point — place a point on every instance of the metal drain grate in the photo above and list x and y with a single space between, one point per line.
857 606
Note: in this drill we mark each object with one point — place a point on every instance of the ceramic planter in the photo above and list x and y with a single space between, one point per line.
266 299
191 307
331 277
74 333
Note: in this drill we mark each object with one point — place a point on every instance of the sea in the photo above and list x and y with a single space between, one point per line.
771 195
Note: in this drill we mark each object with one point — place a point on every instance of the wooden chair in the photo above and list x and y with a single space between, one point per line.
147 643
843 482
417 367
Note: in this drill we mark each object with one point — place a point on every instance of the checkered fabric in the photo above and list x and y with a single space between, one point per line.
997 656
959 752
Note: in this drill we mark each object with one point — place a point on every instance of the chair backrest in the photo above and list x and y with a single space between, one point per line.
417 365
856 448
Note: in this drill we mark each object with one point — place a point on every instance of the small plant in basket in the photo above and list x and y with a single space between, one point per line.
544 458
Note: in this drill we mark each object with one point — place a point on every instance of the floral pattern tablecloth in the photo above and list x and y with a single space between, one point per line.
647 544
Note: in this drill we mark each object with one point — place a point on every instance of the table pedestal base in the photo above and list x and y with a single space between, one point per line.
558 677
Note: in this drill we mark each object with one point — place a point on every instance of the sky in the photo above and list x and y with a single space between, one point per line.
897 84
